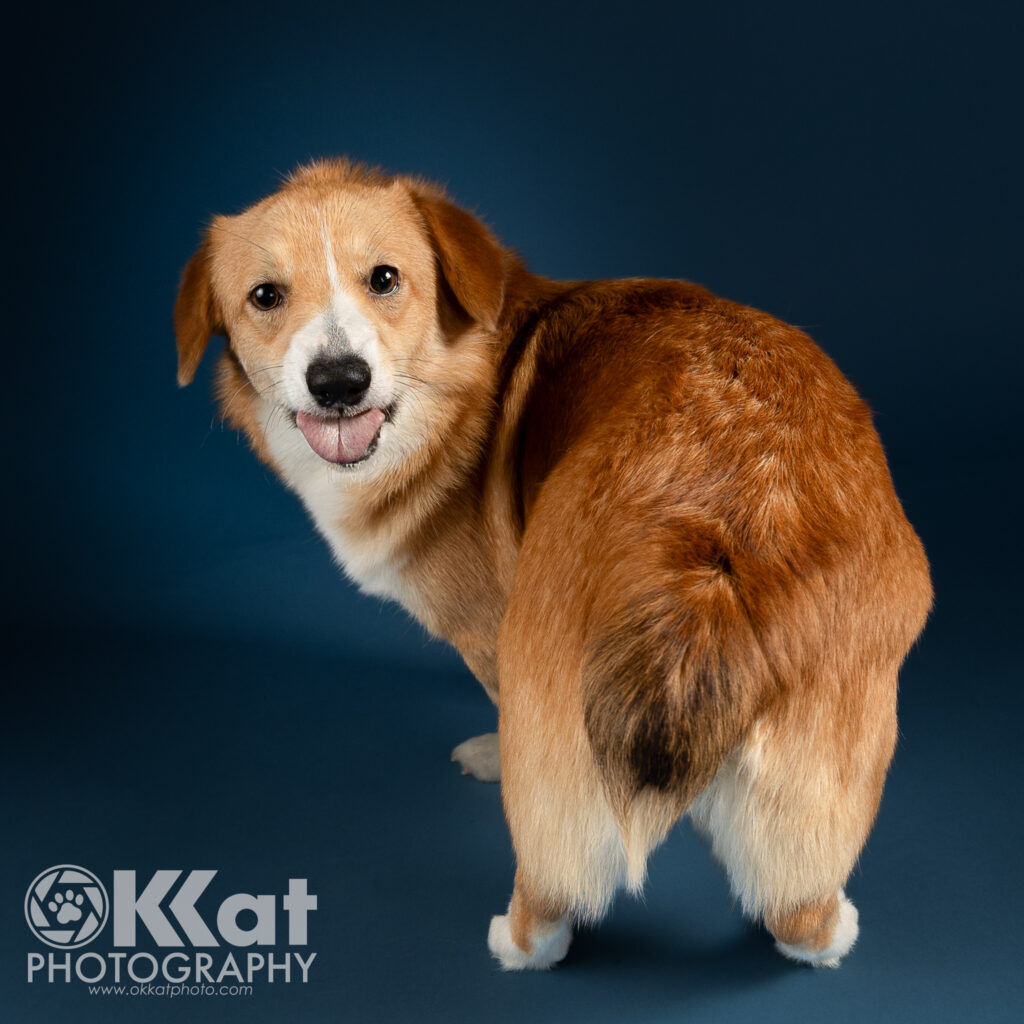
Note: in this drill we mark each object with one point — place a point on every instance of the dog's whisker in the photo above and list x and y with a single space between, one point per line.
425 360
446 389
373 240
248 383
418 380
228 231
408 391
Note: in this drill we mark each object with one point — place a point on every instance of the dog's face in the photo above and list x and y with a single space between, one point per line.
355 307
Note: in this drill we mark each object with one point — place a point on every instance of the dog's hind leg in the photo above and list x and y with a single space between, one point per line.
569 853
628 671
788 813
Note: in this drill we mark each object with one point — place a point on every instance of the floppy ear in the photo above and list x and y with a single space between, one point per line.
195 313
471 259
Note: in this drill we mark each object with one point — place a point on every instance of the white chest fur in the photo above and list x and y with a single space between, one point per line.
368 558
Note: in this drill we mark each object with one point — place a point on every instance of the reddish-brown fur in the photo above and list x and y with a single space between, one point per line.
660 528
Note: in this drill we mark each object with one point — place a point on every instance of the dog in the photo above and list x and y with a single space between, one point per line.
657 525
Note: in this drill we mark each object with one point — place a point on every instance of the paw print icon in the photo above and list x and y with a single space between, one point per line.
66 906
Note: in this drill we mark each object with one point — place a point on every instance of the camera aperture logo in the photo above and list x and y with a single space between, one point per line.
67 907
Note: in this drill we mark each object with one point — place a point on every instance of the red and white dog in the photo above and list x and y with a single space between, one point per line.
658 526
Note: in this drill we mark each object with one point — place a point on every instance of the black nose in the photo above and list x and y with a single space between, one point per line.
338 382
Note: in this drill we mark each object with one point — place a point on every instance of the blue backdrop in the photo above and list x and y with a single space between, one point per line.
192 684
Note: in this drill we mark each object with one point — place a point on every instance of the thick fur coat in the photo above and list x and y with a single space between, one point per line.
658 526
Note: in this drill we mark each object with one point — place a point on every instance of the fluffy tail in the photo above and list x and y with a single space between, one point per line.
673 682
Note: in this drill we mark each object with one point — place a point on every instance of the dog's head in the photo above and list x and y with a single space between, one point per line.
358 310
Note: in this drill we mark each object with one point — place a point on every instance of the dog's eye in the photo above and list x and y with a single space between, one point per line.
383 280
265 296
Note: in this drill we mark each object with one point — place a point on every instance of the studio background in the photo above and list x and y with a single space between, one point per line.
190 681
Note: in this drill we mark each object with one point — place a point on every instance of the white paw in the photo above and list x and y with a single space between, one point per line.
842 942
479 757
548 948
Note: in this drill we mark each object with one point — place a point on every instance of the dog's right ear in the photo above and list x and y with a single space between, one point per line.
195 312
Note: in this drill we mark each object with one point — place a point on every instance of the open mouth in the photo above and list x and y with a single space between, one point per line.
343 440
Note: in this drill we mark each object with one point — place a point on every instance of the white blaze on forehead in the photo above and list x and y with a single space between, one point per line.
347 327
339 329
332 267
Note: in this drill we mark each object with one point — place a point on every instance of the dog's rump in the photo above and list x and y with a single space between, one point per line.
675 673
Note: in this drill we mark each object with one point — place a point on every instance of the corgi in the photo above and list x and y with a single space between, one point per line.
657 525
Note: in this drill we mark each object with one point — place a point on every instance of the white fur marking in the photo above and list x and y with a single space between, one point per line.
359 332
548 949
324 489
340 329
842 942
479 757
332 267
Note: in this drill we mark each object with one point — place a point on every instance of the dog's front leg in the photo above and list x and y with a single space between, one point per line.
478 756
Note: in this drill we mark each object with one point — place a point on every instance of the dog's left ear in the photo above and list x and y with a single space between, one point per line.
195 313
471 260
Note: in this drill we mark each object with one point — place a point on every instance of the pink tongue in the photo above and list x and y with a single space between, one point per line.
340 440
